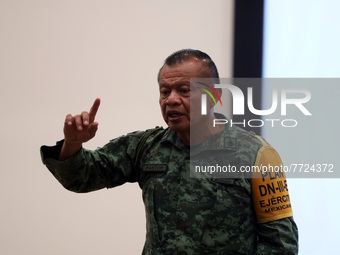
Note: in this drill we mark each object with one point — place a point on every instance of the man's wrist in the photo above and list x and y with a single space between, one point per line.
69 149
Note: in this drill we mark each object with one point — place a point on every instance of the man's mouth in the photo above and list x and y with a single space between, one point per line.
174 115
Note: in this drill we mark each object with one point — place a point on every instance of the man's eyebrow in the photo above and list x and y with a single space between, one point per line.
177 84
163 85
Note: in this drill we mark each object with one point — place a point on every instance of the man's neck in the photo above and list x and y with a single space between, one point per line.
200 132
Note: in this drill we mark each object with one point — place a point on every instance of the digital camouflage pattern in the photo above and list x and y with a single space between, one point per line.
184 215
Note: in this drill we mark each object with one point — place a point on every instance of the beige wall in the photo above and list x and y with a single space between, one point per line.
56 57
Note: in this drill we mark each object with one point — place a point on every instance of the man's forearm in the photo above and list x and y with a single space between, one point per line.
68 150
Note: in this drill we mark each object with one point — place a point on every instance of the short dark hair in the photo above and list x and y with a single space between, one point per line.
186 54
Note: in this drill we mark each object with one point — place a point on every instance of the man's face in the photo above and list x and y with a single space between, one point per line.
174 87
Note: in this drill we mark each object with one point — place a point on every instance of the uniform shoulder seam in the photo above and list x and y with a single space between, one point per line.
264 143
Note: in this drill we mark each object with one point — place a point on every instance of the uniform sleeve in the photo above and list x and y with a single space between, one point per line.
276 229
106 167
277 237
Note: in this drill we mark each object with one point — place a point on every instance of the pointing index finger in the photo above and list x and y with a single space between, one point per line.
94 109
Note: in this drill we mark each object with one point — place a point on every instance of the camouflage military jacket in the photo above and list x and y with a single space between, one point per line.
190 215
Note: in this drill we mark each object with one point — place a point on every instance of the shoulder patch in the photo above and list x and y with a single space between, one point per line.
269 187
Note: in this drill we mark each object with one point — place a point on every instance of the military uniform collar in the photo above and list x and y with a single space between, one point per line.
223 140
173 138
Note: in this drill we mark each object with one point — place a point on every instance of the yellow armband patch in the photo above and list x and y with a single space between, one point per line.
269 187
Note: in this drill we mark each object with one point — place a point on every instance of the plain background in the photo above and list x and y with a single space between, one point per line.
56 57
302 41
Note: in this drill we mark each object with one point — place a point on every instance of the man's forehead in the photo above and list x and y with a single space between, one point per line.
185 70
165 81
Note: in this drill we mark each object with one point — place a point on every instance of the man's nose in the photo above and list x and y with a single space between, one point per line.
174 98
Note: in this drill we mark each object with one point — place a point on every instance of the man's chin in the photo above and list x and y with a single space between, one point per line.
178 127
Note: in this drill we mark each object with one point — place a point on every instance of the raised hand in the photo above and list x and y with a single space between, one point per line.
79 129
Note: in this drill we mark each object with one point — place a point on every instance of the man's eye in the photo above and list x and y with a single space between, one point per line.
185 90
164 92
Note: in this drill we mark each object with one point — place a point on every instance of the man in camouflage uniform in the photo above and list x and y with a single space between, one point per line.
185 215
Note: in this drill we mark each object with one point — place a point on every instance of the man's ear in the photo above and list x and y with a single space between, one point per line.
211 102
219 91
